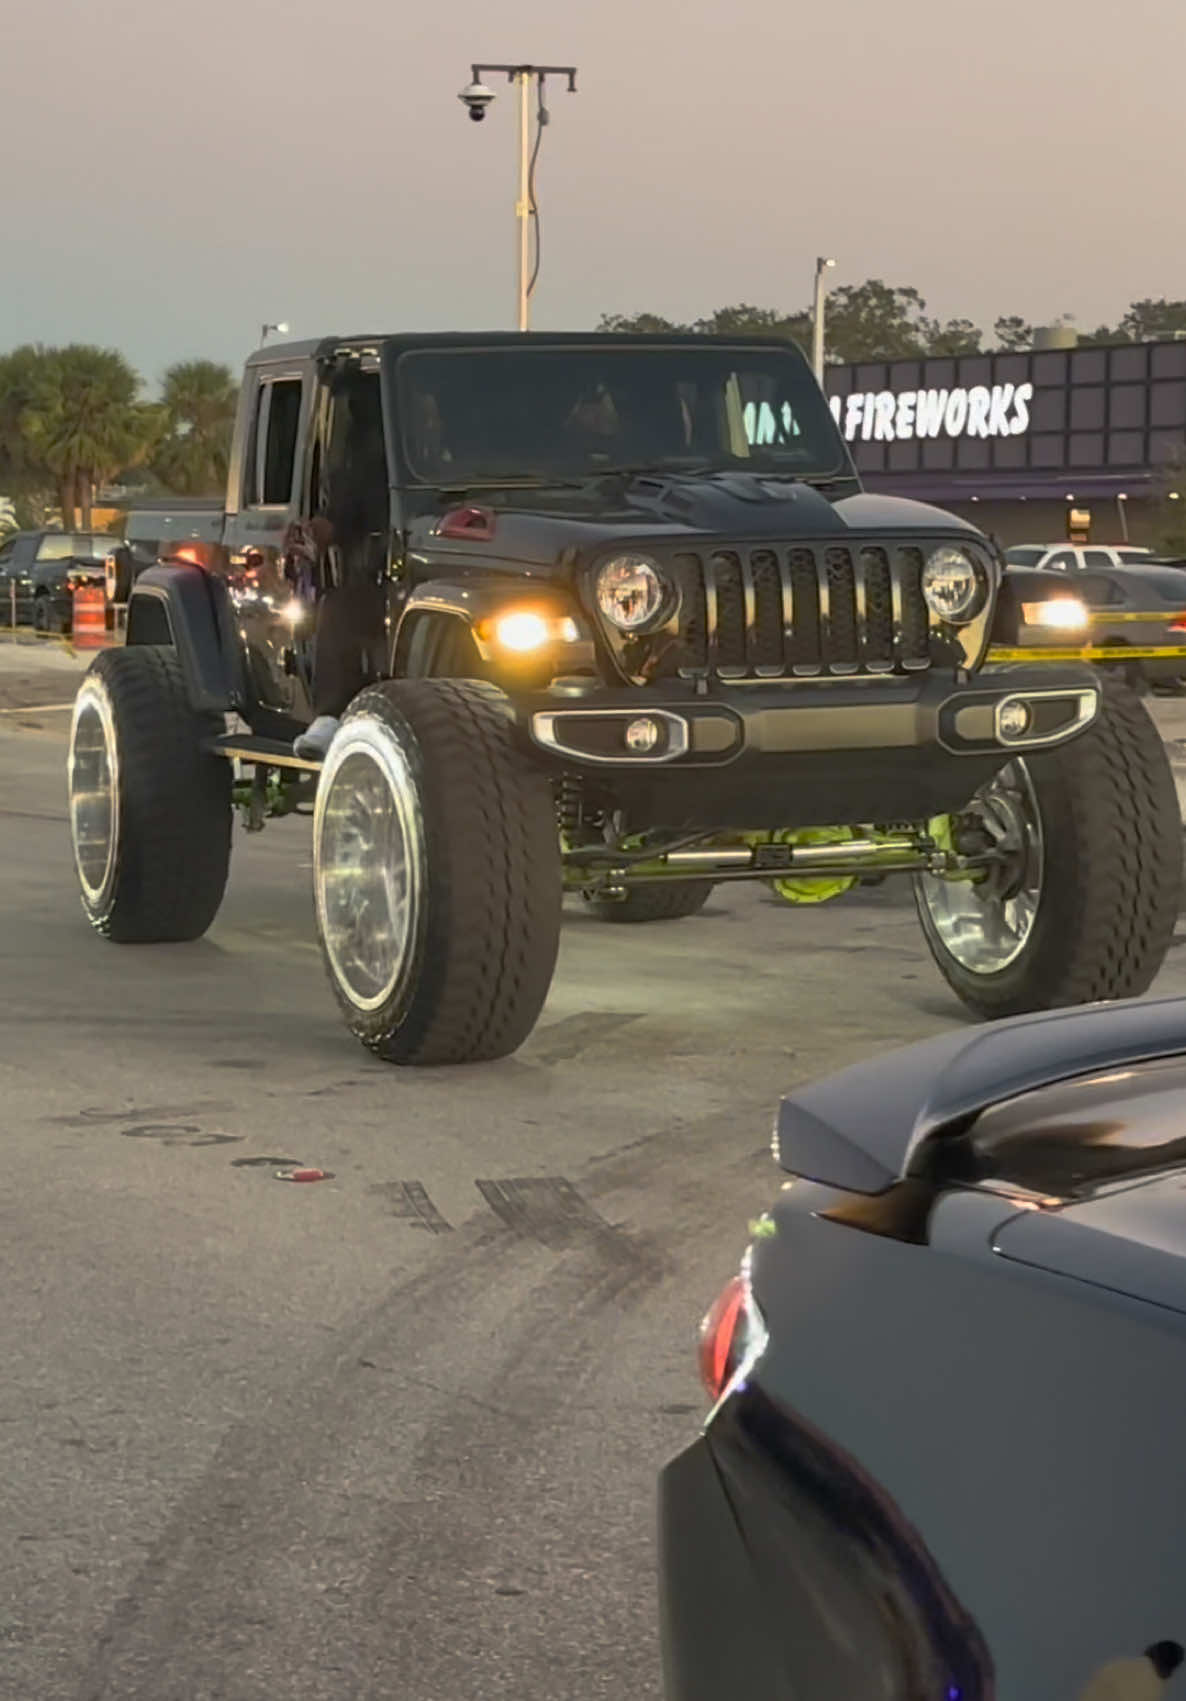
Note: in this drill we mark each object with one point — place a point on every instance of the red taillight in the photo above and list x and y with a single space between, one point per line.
1178 625
721 1337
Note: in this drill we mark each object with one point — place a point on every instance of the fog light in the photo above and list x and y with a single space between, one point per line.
1013 718
643 735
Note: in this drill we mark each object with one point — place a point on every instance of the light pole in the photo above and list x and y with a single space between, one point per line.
817 318
477 97
280 330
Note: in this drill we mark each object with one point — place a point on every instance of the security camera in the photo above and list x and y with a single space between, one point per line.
477 98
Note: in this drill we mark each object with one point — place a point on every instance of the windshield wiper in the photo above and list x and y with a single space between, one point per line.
656 469
494 481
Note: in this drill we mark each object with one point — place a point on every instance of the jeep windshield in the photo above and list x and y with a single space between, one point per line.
558 412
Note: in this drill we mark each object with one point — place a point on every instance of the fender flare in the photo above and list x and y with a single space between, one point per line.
470 600
189 610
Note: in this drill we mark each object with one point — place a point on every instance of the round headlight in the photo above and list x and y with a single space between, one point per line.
951 585
631 593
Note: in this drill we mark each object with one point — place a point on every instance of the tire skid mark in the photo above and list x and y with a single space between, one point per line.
135 1115
550 1210
562 1041
410 1203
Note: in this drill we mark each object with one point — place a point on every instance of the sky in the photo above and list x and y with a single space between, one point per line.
177 175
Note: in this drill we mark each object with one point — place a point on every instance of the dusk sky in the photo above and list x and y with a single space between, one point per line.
176 175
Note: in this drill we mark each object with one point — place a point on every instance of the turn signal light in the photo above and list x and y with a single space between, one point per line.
523 630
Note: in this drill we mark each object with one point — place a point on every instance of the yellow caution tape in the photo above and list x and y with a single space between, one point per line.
1090 653
1161 618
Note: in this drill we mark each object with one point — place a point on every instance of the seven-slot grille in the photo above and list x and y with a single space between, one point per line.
802 609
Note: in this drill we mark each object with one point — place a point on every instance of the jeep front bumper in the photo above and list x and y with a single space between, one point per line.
879 749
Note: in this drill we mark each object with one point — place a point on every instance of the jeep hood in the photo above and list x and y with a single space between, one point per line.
549 529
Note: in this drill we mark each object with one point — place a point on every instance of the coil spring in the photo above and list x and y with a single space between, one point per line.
568 805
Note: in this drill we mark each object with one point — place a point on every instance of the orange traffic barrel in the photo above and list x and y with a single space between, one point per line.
90 617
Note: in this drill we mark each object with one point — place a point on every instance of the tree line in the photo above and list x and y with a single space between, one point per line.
73 419
879 321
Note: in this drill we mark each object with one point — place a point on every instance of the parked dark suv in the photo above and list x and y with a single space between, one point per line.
38 571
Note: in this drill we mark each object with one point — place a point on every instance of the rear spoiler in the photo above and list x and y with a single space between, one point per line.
865 1129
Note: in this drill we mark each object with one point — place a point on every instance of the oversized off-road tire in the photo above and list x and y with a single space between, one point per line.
1085 908
150 810
661 901
436 874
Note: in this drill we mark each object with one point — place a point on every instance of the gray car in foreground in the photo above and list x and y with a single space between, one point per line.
945 1455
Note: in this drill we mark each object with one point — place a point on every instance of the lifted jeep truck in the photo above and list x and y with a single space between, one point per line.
645 634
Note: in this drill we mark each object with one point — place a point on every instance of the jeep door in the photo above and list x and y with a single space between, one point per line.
265 496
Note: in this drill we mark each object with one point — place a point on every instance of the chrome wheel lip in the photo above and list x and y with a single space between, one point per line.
955 912
370 739
93 701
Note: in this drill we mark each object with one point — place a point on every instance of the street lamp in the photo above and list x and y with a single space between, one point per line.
477 98
817 319
280 330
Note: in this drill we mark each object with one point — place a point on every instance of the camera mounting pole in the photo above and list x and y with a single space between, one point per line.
525 77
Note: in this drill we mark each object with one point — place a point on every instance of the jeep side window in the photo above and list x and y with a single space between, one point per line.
272 456
1097 558
1065 560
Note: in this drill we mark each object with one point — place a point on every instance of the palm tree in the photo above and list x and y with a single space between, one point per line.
20 475
198 403
83 422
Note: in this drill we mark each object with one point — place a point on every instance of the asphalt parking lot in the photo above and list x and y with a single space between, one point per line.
394 1434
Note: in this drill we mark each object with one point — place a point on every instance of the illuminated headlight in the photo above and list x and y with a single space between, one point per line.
951 585
632 594
1061 614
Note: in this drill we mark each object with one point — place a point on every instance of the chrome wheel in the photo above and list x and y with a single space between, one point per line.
368 865
985 924
93 782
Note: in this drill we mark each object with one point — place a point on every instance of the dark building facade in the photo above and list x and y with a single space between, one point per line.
1033 446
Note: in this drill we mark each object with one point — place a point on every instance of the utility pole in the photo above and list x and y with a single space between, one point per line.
822 267
477 98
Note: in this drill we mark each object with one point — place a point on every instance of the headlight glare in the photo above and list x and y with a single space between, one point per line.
951 585
632 594
1062 614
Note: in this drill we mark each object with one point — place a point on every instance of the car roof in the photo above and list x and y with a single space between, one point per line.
324 348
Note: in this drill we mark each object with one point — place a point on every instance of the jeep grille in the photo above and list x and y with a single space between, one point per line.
802 609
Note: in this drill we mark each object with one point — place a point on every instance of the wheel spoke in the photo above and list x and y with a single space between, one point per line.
985 925
369 875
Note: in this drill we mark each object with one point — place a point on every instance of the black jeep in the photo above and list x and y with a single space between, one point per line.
644 633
